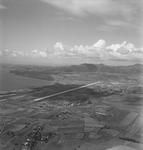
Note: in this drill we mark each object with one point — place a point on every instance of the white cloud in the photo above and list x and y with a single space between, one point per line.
80 49
2 6
97 51
120 9
123 48
141 50
100 44
58 49
18 53
38 53
43 54
113 47
114 14
81 7
0 53
59 46
125 51
121 147
6 52
131 47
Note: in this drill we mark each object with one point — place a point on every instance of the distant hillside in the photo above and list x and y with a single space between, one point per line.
137 68
80 73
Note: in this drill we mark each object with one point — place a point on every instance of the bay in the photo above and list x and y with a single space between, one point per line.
10 81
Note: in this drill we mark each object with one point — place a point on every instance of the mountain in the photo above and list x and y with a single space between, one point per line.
133 69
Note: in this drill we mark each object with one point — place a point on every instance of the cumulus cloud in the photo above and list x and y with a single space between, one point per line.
98 51
100 44
123 48
59 46
8 52
18 53
124 51
90 51
79 49
38 53
59 49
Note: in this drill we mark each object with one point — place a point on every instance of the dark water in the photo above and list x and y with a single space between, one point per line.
9 81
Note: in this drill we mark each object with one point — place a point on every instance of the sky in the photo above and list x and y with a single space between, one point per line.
71 31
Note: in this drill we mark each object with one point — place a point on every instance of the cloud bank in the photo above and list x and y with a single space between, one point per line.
105 7
121 147
113 12
110 14
98 51
1 5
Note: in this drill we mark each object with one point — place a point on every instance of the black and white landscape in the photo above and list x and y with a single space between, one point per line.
65 114
85 94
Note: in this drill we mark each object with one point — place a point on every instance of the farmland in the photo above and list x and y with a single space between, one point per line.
99 117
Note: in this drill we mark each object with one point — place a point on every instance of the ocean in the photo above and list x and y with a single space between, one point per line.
10 81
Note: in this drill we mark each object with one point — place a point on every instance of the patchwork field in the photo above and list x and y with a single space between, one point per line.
104 116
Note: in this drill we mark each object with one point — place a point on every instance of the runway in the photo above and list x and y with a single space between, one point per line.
66 91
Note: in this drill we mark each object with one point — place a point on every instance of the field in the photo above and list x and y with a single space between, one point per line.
98 117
